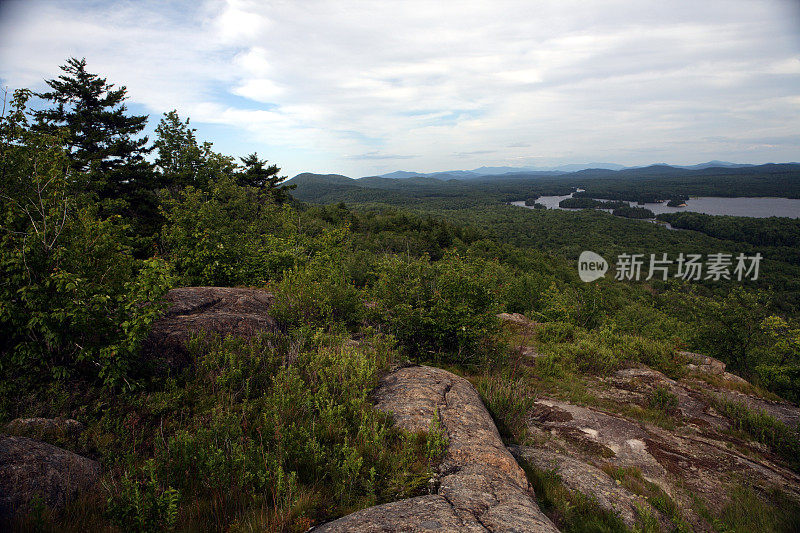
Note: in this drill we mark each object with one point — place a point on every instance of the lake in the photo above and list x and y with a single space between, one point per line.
710 205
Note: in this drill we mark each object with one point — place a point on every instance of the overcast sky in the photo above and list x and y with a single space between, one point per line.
361 88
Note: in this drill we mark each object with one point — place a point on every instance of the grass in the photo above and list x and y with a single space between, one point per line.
510 401
632 479
763 428
751 510
570 511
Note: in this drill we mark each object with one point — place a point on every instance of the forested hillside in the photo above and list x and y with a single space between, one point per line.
278 432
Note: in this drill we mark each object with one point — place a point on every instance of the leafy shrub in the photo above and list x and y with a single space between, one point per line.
143 506
601 350
444 310
297 435
318 293
230 235
555 332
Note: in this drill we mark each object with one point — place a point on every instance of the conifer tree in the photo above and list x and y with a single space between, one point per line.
256 174
106 151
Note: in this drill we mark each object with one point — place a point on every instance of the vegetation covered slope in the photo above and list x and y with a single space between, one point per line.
278 432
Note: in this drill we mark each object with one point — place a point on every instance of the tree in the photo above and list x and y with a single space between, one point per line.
102 141
71 299
182 161
178 154
256 174
729 328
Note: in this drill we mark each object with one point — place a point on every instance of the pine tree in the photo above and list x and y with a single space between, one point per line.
106 152
257 174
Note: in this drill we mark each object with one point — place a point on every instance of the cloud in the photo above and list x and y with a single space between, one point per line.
377 156
474 153
307 83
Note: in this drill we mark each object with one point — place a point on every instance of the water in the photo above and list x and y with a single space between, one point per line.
711 205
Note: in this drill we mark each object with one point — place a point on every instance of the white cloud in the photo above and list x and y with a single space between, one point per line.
311 83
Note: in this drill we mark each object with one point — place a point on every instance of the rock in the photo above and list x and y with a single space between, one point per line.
780 410
516 319
45 428
31 469
529 352
703 363
685 461
589 480
481 486
217 310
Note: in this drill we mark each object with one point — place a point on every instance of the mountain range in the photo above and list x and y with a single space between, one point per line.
549 171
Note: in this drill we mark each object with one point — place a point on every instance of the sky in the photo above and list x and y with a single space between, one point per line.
369 87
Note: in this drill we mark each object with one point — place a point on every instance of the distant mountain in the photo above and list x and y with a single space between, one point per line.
510 172
576 167
491 171
500 171
714 164
400 174
307 178
328 188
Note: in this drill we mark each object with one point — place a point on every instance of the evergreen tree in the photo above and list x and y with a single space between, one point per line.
103 142
256 174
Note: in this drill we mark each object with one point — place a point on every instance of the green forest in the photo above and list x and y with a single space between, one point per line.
98 222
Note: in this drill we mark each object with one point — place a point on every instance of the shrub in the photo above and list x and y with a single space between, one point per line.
295 437
319 293
228 236
75 301
143 506
443 311
555 332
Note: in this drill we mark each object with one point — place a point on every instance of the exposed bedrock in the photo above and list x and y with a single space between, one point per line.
481 486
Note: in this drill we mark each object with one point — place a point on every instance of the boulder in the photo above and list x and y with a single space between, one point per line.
45 428
703 363
692 460
31 470
216 310
481 486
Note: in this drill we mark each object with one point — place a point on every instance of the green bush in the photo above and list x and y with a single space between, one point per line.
287 426
230 235
319 293
442 311
143 506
